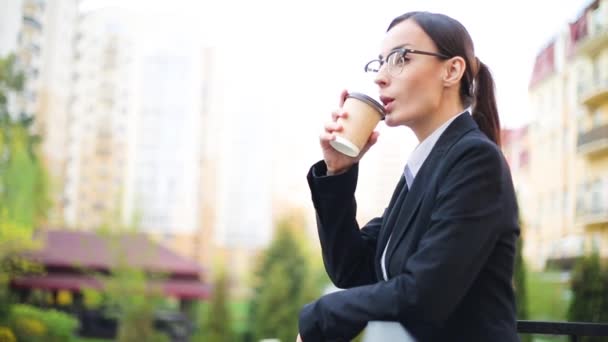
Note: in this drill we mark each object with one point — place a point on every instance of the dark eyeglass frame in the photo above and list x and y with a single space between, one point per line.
403 52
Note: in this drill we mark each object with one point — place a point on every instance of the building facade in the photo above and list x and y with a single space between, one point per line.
567 212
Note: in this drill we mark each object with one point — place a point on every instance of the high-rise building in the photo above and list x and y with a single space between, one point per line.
11 20
101 116
243 139
166 140
54 95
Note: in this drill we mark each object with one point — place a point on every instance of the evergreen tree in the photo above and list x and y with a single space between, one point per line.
216 321
589 287
24 199
283 284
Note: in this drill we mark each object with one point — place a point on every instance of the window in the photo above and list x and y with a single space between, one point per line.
597 118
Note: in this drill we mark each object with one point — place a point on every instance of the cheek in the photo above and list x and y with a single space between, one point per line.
417 96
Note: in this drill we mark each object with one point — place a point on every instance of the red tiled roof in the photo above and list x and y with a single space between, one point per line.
544 65
62 248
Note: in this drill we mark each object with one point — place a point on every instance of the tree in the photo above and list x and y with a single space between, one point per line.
128 296
284 283
216 321
589 287
24 198
23 185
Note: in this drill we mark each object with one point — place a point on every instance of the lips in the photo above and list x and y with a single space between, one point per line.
387 101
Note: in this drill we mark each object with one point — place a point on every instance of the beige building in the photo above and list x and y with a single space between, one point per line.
100 119
592 125
565 213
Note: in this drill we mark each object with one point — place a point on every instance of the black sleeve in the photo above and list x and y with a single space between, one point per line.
348 252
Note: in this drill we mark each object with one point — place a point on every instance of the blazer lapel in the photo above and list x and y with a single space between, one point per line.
461 125
389 221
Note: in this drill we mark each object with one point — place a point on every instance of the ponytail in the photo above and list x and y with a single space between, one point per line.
485 111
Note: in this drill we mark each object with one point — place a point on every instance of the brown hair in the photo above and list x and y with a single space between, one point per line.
477 86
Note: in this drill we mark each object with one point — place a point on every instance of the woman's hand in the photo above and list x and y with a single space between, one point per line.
337 162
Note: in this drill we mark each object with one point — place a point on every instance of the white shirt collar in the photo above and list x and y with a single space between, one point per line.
422 151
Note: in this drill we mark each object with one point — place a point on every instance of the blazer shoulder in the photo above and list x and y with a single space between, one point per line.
475 141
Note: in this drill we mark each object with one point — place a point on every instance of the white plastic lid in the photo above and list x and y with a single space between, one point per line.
345 147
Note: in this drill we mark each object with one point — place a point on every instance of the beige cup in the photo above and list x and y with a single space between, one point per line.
364 113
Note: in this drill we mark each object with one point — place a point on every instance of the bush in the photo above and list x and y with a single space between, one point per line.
31 324
589 288
6 335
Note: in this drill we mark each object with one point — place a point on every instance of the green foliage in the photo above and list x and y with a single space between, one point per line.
127 294
589 289
548 296
6 335
216 322
32 324
519 280
24 198
24 189
284 283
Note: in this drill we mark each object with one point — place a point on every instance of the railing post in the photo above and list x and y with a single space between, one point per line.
573 338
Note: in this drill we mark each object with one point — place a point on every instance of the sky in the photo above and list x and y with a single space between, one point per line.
288 61
319 46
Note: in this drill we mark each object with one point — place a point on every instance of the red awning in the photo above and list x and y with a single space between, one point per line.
95 251
183 289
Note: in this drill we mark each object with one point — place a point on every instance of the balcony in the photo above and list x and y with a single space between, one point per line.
596 37
594 141
592 213
595 94
33 22
593 217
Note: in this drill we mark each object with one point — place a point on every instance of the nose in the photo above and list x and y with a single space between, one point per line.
382 78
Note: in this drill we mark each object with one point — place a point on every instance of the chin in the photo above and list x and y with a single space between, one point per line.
394 120
391 120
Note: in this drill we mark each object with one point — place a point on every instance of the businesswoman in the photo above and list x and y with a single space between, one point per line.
439 260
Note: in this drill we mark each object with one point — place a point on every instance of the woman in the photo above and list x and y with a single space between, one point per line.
440 259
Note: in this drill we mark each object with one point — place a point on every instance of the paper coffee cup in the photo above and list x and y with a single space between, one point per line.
364 113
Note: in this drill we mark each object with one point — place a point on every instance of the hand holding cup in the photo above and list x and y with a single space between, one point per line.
350 133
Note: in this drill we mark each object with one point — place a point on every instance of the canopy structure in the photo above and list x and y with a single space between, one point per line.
75 260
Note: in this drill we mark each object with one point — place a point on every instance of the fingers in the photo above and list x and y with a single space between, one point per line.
333 126
339 113
326 137
343 97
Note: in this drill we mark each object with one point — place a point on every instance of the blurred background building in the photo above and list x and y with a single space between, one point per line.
564 181
101 114
142 127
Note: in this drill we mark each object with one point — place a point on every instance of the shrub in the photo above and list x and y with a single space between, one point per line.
32 324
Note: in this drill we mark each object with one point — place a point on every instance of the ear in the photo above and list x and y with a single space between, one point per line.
454 70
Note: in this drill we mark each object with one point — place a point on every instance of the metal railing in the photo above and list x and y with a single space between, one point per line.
572 329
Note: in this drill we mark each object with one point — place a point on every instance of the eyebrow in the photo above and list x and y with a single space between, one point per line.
395 48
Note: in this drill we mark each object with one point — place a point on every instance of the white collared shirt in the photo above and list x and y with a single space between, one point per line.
414 163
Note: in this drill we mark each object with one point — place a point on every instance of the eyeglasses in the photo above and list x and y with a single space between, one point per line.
396 60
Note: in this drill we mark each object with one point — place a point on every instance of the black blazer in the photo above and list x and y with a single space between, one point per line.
450 258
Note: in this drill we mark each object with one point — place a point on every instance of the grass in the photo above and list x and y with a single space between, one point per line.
548 296
548 300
